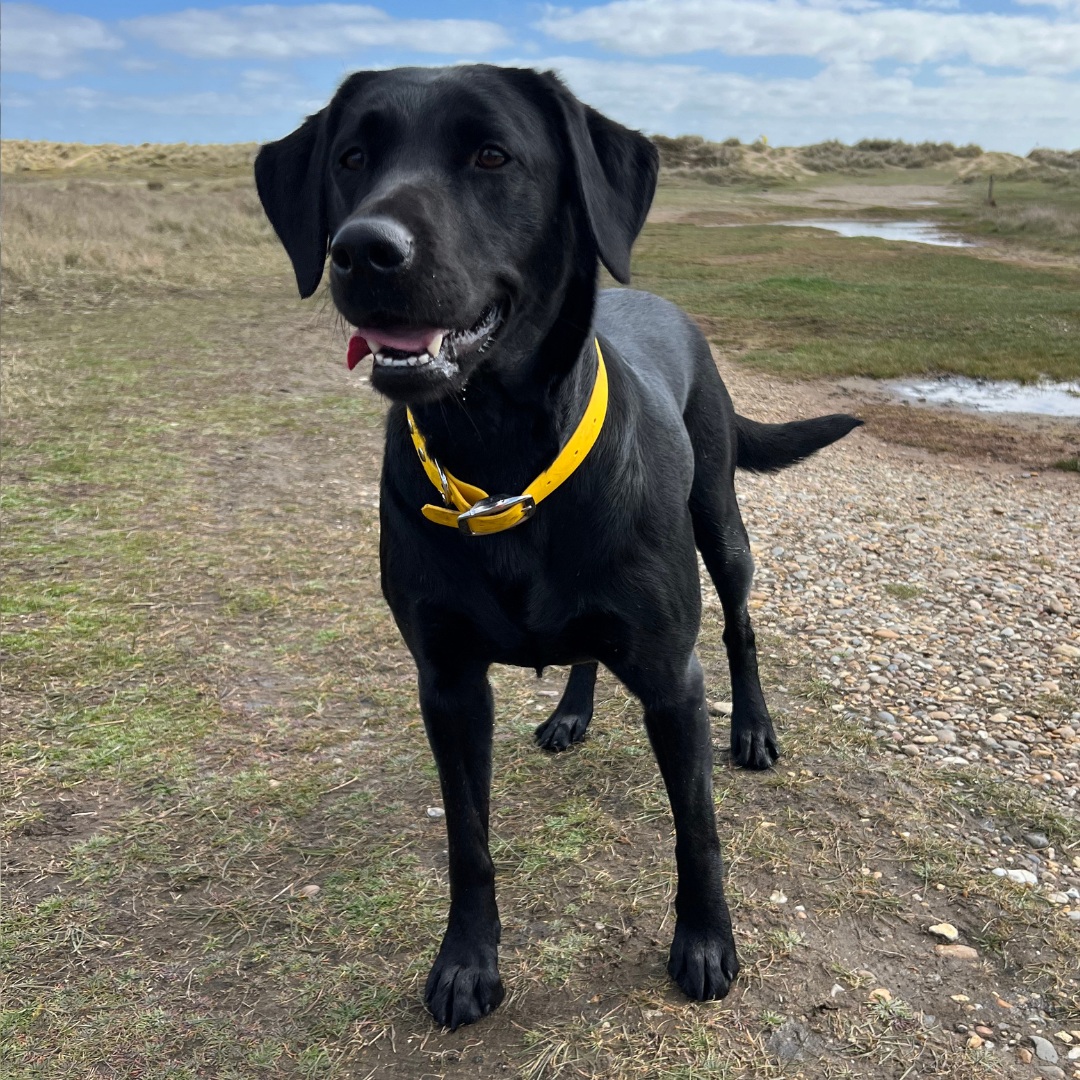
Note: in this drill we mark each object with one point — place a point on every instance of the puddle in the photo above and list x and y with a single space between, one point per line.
917 232
995 396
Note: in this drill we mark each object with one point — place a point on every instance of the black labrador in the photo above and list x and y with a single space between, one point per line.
464 210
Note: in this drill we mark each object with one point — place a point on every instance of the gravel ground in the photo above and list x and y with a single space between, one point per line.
941 600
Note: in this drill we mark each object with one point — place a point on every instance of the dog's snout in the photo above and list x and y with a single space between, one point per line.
379 244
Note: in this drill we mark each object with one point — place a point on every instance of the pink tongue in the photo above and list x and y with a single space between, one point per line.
358 349
364 342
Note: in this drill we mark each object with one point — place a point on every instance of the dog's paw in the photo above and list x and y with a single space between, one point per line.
560 730
754 747
463 986
703 962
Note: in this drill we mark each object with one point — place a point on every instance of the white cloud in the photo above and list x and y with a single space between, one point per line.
831 33
844 101
39 41
198 103
272 31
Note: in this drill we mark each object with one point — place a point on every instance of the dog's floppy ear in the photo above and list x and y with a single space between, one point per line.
616 172
290 177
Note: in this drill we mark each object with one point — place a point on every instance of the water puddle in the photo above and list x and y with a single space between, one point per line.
994 395
916 232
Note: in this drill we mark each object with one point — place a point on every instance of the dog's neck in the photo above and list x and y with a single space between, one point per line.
509 421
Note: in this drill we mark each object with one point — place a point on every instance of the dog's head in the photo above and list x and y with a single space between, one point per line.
455 204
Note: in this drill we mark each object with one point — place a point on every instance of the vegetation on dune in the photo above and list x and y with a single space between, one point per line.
730 162
1058 159
834 157
695 152
29 155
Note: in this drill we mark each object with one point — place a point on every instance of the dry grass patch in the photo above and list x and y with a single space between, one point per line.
1037 444
84 240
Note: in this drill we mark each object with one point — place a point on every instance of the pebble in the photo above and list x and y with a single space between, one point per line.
309 890
436 812
1051 1072
1020 877
788 1040
956 952
945 930
830 535
1036 840
1044 1049
720 708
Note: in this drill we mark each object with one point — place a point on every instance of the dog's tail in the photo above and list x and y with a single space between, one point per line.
769 447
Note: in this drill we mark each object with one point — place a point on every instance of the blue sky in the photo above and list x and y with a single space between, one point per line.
1002 73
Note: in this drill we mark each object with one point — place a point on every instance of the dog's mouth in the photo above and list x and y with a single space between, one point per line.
401 349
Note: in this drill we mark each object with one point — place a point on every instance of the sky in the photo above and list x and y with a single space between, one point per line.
1001 73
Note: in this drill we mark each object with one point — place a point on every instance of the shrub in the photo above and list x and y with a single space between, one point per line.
694 152
1060 159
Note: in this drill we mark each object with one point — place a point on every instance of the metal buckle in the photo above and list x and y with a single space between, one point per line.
496 504
447 501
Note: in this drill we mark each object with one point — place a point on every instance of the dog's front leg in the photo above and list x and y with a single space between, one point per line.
464 983
703 959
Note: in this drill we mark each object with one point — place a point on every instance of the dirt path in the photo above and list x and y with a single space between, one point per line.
219 854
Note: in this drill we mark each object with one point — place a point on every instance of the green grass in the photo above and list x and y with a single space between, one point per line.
903 592
810 303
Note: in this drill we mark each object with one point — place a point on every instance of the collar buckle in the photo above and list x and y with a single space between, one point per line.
443 483
496 504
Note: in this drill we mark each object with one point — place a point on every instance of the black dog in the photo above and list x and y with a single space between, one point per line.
464 210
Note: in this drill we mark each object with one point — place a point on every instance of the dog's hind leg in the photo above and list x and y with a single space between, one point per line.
456 702
721 538
570 720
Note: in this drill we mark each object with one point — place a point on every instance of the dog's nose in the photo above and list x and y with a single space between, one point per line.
372 243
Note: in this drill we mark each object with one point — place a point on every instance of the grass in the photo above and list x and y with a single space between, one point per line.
207 710
810 303
82 241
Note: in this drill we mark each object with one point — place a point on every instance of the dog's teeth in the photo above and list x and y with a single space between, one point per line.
379 358
435 345
412 361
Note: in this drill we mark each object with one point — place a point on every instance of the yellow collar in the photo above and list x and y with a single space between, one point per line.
473 511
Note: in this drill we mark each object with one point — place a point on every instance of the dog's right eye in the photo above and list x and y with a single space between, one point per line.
352 159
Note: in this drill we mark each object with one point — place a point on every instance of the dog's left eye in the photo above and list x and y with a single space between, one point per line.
353 159
491 157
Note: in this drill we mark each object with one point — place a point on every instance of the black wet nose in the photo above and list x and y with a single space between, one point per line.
371 244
